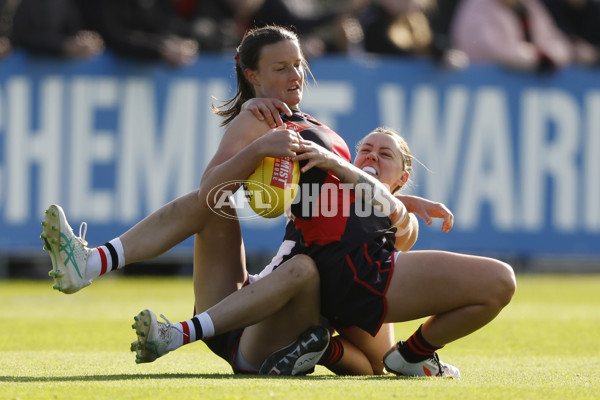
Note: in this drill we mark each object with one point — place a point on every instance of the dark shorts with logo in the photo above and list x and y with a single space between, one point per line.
353 288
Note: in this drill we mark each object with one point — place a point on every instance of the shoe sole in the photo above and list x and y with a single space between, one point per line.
66 280
286 361
142 324
51 237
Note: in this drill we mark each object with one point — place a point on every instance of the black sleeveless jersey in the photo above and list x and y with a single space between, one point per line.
325 211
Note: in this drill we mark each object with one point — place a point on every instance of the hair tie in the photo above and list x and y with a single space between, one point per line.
237 59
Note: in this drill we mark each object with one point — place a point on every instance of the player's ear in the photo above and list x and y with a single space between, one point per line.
402 180
251 76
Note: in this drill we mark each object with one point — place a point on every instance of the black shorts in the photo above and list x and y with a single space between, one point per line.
225 346
353 288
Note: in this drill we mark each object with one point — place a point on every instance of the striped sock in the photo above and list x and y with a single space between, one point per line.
199 327
416 348
106 258
333 353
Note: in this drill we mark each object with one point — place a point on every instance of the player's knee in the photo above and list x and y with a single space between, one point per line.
304 269
505 283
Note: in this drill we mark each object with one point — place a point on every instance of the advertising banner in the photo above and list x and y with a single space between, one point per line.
515 156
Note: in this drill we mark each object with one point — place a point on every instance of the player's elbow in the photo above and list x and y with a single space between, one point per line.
407 233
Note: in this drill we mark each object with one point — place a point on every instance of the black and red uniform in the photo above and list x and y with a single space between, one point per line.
354 254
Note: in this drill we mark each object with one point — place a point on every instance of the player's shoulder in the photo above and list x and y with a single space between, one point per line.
246 120
243 129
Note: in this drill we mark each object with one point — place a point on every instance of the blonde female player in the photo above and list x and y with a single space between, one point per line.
389 153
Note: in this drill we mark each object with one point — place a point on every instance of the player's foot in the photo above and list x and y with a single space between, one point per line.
154 337
300 357
68 252
394 362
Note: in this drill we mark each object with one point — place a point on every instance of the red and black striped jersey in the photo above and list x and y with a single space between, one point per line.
325 210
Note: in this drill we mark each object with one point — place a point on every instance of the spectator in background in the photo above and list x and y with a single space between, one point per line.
518 34
397 27
185 8
402 27
54 27
144 29
7 13
220 24
345 35
580 21
319 33
440 16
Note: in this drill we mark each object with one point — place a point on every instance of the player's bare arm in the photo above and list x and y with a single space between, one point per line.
236 166
427 209
371 189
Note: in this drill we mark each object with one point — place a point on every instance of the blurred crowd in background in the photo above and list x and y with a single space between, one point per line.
527 35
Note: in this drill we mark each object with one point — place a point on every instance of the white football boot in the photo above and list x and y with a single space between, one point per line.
154 337
394 362
68 252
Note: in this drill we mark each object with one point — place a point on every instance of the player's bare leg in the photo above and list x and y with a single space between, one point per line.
469 292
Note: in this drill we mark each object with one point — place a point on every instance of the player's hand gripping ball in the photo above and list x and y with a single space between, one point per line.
272 187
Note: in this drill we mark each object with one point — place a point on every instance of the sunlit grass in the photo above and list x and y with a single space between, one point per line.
545 345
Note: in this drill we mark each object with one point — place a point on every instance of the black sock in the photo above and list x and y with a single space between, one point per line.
416 348
333 353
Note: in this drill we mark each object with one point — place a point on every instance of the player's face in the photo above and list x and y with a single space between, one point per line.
379 155
280 73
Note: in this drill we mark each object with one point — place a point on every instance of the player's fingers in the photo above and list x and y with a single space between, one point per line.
277 118
291 134
308 165
299 157
281 106
272 111
449 222
446 223
257 113
269 115
310 155
306 144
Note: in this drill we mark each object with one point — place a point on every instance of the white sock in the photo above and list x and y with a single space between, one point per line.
199 327
106 258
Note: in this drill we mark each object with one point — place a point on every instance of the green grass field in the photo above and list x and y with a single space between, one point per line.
545 345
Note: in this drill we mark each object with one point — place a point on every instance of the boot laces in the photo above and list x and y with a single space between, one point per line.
436 358
81 238
163 328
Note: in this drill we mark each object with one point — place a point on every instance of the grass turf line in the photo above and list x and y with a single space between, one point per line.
543 345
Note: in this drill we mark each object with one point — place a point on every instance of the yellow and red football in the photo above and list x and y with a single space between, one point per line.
272 187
